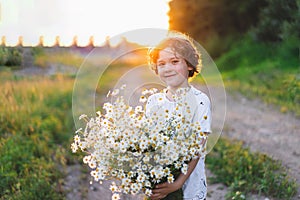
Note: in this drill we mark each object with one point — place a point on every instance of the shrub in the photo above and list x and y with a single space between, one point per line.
11 56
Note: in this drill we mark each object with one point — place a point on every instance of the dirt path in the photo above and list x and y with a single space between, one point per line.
263 128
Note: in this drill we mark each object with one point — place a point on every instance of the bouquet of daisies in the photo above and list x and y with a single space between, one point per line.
139 150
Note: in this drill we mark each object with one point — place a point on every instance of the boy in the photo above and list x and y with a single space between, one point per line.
175 60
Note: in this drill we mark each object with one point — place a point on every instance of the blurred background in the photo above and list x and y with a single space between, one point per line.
255 45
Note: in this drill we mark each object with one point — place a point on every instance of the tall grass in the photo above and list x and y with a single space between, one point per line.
268 71
36 124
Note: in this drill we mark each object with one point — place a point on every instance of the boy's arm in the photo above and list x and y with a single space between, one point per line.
162 190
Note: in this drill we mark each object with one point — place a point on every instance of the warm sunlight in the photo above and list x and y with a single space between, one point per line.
33 19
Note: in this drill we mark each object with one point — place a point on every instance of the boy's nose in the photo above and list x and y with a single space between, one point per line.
168 66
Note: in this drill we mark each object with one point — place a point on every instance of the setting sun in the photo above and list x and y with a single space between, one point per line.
31 20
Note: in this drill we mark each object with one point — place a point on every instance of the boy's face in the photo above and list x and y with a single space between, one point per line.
172 69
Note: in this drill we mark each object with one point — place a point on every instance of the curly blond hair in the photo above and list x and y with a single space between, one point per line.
180 44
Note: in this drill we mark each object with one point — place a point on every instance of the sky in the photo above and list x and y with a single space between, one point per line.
82 18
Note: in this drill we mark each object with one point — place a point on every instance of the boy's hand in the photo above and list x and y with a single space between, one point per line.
162 190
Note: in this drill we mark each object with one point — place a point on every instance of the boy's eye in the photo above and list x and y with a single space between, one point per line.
175 61
161 64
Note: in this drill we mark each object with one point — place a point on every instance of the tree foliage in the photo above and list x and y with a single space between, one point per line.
217 23
205 20
277 17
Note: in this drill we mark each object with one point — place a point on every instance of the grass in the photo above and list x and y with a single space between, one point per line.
270 72
36 125
60 56
275 87
245 172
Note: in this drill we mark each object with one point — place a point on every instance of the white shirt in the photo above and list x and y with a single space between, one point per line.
195 185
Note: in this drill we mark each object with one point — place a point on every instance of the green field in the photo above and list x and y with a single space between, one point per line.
268 71
37 127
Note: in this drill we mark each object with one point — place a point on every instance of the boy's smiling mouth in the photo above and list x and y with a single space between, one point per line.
169 75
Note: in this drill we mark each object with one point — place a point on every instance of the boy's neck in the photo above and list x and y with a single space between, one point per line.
170 92
174 89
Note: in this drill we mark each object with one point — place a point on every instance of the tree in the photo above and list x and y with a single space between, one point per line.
214 21
274 17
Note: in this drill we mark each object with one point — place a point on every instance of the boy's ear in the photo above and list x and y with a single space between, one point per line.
190 68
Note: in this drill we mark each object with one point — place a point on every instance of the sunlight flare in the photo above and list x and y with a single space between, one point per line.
99 19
